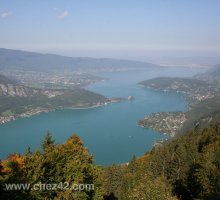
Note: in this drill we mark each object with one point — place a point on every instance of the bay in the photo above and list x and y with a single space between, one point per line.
110 132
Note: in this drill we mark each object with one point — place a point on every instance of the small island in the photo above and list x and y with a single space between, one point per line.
131 98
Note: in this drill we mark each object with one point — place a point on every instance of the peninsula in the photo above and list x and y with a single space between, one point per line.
19 101
203 97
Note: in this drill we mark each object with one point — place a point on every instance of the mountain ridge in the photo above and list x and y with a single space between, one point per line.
25 60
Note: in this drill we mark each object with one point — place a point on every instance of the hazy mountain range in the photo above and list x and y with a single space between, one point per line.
22 60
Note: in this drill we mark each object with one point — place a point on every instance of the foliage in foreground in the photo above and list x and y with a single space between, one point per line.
186 168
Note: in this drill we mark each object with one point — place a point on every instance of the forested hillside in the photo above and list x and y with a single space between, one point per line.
21 101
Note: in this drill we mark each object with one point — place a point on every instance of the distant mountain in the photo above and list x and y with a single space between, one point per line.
193 61
212 75
215 71
16 59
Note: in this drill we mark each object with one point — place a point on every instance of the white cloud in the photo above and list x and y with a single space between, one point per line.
6 14
63 14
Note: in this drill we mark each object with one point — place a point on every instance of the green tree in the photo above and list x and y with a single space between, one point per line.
48 142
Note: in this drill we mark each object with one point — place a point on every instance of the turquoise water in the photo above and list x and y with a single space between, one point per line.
110 132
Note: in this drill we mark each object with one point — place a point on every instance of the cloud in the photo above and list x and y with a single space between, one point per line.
5 14
63 14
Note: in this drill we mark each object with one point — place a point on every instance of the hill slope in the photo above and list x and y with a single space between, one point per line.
5 80
22 60
20 101
195 90
211 76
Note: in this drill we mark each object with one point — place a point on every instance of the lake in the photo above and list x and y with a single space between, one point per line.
110 132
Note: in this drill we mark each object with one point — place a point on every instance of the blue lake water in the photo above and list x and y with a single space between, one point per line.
110 132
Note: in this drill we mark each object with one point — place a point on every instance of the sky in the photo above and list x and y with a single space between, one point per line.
112 28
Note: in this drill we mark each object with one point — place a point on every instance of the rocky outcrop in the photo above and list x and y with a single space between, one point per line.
23 91
13 90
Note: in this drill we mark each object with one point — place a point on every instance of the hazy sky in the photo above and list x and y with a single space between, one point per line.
102 27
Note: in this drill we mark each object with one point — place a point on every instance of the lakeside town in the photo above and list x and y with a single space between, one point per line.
58 80
164 122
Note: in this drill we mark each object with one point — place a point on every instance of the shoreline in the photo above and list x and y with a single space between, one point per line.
171 132
23 115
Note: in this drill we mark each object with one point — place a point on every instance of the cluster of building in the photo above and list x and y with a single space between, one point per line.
6 119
